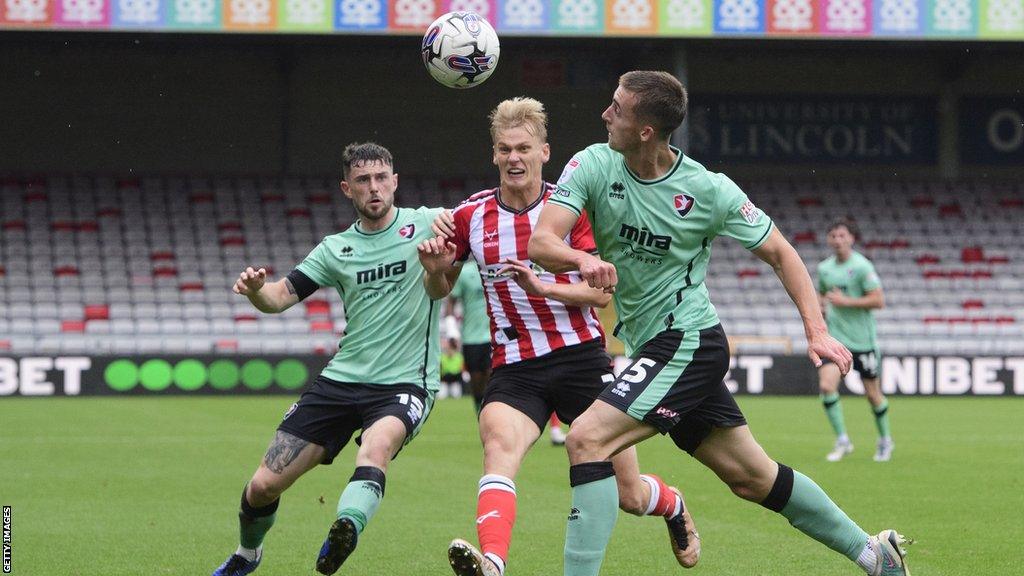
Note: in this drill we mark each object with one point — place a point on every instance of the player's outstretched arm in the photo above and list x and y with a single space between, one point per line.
548 249
437 255
790 269
270 297
576 294
873 300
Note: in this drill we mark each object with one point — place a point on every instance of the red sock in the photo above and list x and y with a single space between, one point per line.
495 516
664 502
555 423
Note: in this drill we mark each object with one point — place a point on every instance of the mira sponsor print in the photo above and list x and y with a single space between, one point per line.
814 129
43 376
992 131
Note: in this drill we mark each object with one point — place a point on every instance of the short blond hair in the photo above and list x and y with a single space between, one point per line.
520 111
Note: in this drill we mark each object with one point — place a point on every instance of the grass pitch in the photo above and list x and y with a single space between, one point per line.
133 486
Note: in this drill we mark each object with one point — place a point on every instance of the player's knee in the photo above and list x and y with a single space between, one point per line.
750 487
583 444
264 489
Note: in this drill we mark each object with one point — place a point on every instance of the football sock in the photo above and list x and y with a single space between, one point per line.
495 516
834 411
867 558
553 420
812 512
249 554
362 496
664 502
253 523
595 501
882 419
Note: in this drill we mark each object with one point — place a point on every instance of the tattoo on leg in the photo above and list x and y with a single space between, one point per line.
283 451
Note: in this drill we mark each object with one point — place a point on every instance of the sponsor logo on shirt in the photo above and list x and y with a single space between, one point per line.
566 174
617 189
621 389
381 272
662 411
490 238
346 251
642 244
683 202
750 212
407 231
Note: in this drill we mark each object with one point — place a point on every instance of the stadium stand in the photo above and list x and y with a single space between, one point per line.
139 265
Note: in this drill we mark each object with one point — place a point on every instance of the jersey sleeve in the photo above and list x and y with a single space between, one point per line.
582 235
741 219
822 289
461 238
317 265
573 188
869 278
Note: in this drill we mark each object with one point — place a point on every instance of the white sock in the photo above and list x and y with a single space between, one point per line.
498 562
250 554
867 558
844 439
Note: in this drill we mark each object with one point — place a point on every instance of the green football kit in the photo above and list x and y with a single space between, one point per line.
854 327
475 321
658 234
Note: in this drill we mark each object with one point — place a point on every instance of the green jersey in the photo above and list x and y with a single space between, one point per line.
854 327
476 327
392 331
658 235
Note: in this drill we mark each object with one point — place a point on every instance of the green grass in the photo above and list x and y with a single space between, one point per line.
151 486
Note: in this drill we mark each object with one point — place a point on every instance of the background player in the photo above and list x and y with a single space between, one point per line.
656 235
548 345
849 289
374 266
476 335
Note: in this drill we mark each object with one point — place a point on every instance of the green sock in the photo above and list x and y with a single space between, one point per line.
361 498
882 418
254 523
595 507
834 411
812 512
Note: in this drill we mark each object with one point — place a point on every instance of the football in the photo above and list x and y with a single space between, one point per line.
460 49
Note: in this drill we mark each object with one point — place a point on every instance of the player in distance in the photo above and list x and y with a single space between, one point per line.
375 269
849 289
548 347
659 212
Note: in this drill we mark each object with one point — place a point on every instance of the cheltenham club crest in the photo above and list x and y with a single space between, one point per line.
407 231
683 204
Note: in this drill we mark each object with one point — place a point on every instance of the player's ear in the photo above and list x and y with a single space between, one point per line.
546 152
345 189
647 133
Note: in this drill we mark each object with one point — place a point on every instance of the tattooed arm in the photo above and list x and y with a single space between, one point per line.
270 297
282 451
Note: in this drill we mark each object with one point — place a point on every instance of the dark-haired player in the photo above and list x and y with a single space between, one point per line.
382 380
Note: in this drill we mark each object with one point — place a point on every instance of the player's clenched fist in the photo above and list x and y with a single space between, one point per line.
598 273
250 281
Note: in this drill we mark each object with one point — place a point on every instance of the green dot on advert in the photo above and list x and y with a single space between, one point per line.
190 375
224 374
257 374
290 374
155 375
121 375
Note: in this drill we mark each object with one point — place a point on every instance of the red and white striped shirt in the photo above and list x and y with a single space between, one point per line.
522 326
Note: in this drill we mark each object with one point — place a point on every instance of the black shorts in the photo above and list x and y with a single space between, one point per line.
865 363
676 384
477 356
566 381
329 412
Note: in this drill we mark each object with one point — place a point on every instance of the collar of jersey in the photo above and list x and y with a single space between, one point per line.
397 212
679 161
507 208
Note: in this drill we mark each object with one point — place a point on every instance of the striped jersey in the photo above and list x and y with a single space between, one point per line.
522 326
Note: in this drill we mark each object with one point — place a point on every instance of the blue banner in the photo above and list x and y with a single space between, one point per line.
992 131
814 129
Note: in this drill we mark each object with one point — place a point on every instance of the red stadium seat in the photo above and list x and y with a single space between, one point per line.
73 326
97 312
321 326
